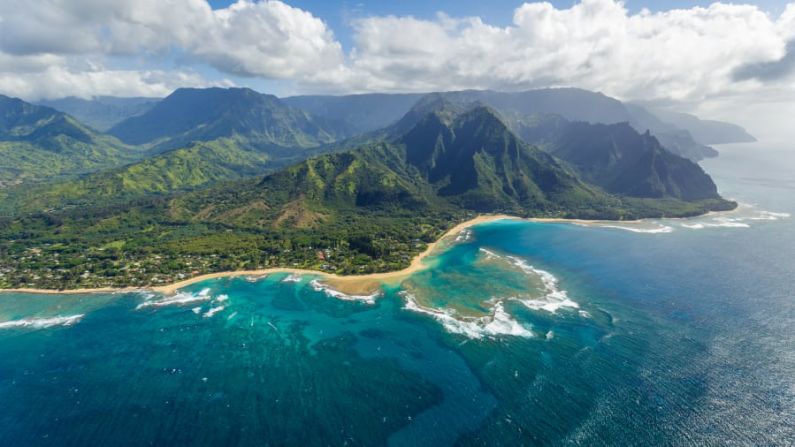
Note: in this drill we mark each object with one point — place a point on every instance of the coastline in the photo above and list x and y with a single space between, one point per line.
75 291
364 284
348 284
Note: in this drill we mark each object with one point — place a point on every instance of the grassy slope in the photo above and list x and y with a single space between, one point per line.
59 147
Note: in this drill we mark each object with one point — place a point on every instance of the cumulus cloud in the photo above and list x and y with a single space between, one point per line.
769 71
268 39
680 54
57 81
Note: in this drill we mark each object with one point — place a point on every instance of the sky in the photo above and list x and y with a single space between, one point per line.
733 61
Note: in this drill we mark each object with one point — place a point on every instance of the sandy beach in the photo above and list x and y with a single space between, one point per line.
348 284
76 291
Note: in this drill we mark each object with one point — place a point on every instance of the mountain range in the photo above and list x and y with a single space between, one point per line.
250 178
38 143
189 115
370 112
101 112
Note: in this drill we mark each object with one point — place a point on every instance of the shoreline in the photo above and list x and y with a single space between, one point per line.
364 284
348 284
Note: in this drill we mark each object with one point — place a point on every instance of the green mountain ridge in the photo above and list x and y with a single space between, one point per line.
618 159
624 162
370 112
39 143
195 166
189 115
365 209
465 161
101 112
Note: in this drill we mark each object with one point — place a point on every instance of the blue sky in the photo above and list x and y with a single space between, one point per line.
337 14
340 15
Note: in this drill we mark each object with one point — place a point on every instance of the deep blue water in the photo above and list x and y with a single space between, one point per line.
682 335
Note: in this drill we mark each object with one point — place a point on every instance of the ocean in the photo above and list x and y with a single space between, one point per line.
671 332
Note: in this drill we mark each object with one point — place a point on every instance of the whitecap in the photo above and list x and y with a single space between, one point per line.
554 298
489 254
735 221
770 215
221 298
177 299
550 335
464 235
213 311
320 287
41 323
659 230
499 323
726 224
292 277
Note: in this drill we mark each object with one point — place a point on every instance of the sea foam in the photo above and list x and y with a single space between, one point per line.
661 229
213 311
725 224
320 287
292 277
739 219
41 323
770 215
554 298
499 323
178 299
464 235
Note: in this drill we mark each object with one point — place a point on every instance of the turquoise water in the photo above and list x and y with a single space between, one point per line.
668 333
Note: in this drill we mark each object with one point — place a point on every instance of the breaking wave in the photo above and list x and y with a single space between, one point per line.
464 235
178 299
213 311
320 287
770 215
702 225
499 323
554 297
746 214
661 229
41 323
292 277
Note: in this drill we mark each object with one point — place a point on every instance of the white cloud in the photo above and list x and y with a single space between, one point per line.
266 39
680 54
70 47
57 81
269 39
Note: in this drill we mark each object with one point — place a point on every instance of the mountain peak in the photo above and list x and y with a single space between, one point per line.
20 117
192 114
481 113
